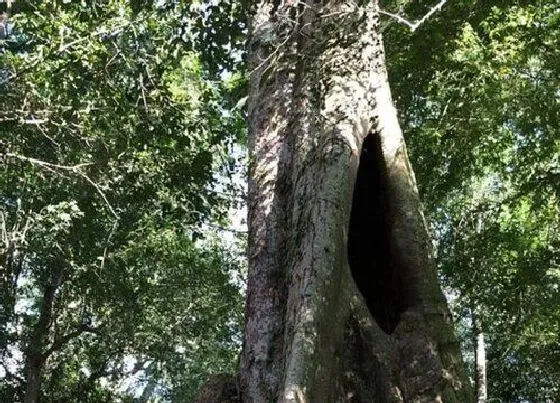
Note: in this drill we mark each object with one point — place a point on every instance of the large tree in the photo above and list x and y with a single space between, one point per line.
343 302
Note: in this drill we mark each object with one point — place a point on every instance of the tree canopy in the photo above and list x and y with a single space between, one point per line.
122 145
477 90
116 178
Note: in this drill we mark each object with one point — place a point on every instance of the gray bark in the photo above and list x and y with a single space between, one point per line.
318 87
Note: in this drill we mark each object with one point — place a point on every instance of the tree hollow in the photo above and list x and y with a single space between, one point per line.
381 274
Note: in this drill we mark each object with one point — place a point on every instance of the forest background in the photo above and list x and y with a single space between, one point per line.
123 143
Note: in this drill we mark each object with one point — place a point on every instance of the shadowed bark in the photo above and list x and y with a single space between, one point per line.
218 388
35 353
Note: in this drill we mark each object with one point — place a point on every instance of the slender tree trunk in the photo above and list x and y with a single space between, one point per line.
35 352
318 330
479 359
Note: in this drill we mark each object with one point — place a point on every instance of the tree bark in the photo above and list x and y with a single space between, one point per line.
318 88
479 360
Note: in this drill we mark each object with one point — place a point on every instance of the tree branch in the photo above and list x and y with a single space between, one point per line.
414 25
62 340
72 168
32 121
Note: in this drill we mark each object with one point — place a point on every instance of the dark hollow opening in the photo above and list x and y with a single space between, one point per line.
375 261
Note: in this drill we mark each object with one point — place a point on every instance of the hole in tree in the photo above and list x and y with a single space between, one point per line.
376 263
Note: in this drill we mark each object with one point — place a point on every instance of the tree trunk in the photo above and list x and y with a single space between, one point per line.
479 360
343 302
33 379
35 352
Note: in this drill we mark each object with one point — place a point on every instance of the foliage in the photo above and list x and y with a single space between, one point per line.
477 89
117 133
120 129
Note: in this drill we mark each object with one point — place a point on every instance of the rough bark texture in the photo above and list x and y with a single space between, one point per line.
318 88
